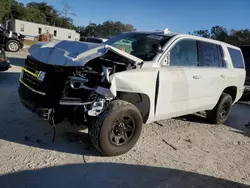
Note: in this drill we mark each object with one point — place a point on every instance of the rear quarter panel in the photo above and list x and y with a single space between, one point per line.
235 76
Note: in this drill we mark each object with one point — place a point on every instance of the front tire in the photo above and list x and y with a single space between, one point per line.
12 46
222 110
117 129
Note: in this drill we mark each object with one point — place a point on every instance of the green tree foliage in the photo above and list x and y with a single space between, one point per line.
219 33
48 12
106 29
202 33
235 37
5 8
240 37
34 15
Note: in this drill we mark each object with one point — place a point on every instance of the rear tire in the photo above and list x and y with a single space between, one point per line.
222 110
117 129
13 46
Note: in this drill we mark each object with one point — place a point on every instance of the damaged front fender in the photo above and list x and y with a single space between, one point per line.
133 81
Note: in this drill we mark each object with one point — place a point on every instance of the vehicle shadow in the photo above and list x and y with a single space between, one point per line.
196 118
111 175
22 126
239 118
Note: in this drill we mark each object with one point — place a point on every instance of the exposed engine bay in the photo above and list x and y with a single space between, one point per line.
73 92
89 86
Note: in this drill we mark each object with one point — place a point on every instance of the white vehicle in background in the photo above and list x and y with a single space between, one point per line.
131 79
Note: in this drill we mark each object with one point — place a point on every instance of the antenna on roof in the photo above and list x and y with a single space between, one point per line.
166 31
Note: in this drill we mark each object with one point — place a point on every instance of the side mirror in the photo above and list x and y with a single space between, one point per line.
157 48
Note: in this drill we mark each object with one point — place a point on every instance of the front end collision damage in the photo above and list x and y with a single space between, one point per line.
94 80
126 85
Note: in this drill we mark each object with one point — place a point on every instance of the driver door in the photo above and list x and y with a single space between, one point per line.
173 95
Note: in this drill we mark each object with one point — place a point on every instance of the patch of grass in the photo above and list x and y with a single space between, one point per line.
29 42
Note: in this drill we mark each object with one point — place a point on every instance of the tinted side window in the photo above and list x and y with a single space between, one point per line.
184 53
236 57
210 55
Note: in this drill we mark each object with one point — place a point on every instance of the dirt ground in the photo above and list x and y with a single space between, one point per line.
179 152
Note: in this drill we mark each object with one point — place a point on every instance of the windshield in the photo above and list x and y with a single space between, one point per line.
138 44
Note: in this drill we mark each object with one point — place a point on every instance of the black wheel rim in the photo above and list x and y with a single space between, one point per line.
224 109
122 130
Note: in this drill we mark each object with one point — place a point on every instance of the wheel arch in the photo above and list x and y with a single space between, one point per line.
140 100
13 40
232 91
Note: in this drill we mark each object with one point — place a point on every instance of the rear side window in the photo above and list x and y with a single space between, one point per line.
236 58
210 55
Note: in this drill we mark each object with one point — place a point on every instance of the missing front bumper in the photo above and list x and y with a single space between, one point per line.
41 112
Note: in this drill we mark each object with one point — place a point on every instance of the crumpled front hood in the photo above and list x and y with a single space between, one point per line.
73 53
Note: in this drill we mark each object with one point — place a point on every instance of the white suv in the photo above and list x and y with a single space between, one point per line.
133 78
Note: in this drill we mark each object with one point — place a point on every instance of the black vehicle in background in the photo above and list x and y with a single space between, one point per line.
11 41
246 54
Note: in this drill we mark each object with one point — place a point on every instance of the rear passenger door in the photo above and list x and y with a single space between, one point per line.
201 65
206 82
198 62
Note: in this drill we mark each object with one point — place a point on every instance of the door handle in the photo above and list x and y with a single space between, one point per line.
223 76
197 77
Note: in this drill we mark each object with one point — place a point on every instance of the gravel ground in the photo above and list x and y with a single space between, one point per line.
180 152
